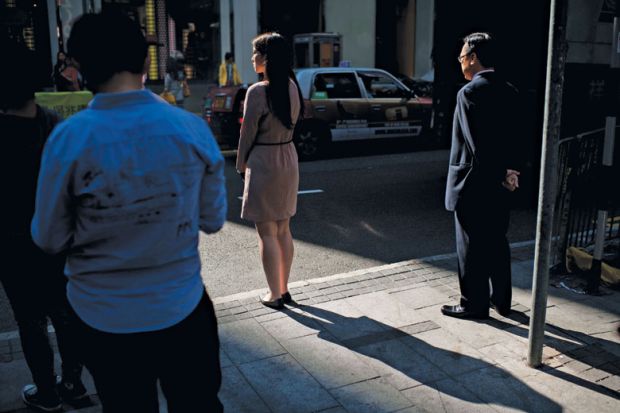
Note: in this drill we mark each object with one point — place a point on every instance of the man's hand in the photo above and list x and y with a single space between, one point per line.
511 182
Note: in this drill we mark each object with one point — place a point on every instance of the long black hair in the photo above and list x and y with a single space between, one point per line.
278 57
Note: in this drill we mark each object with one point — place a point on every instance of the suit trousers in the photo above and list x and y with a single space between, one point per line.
184 359
483 253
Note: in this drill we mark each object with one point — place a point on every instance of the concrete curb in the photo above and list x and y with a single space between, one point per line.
252 295
371 270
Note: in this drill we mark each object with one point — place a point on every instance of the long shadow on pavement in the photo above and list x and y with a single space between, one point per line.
451 373
590 350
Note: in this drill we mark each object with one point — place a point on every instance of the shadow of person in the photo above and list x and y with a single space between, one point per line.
406 361
589 350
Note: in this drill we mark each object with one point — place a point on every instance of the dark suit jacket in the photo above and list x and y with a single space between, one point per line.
484 139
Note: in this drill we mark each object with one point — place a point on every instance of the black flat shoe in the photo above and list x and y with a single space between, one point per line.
286 298
459 311
277 304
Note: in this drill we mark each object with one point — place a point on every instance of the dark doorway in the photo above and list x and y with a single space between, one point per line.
289 17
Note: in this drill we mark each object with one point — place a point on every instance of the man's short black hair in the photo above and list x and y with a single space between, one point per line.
23 75
484 46
105 44
228 55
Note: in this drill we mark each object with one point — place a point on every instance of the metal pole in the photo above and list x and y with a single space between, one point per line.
556 57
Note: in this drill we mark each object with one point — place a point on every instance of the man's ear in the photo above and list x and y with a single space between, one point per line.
474 56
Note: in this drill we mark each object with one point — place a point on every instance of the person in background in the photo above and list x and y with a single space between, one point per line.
59 67
33 281
126 185
229 75
267 160
71 78
174 80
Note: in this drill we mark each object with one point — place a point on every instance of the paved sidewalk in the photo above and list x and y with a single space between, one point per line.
375 341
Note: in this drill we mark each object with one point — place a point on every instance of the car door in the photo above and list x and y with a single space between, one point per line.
394 111
337 100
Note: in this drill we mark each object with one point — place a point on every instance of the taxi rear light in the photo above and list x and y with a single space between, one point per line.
240 121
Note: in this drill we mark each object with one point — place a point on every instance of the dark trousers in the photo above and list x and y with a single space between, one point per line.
36 288
184 358
483 253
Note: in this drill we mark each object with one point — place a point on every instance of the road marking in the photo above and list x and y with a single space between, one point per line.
307 191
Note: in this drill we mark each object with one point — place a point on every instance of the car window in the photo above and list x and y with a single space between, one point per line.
335 86
379 85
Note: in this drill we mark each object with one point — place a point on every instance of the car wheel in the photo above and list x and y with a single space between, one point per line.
310 143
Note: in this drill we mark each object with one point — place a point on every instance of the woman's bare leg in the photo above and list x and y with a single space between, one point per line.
287 251
270 254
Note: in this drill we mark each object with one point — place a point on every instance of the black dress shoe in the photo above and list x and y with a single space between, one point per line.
502 312
277 304
286 298
459 311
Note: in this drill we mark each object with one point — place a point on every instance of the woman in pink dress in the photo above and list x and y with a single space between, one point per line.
267 160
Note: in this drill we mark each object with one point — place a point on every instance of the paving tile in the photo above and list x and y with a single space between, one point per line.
224 359
273 315
237 310
497 386
445 396
371 396
418 328
589 321
226 319
291 327
330 363
246 340
611 382
574 393
314 293
421 297
223 313
285 386
476 334
452 355
333 410
505 351
595 375
261 311
237 395
253 305
384 308
343 320
321 299
399 364
244 316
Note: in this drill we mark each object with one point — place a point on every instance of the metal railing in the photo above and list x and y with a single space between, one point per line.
579 158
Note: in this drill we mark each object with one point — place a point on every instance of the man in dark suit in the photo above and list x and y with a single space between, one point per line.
481 176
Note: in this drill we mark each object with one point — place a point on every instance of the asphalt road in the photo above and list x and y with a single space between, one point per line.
378 203
372 210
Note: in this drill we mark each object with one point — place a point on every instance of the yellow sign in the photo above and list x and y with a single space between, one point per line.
65 103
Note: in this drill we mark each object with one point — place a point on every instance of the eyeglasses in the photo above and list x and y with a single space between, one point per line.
463 56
